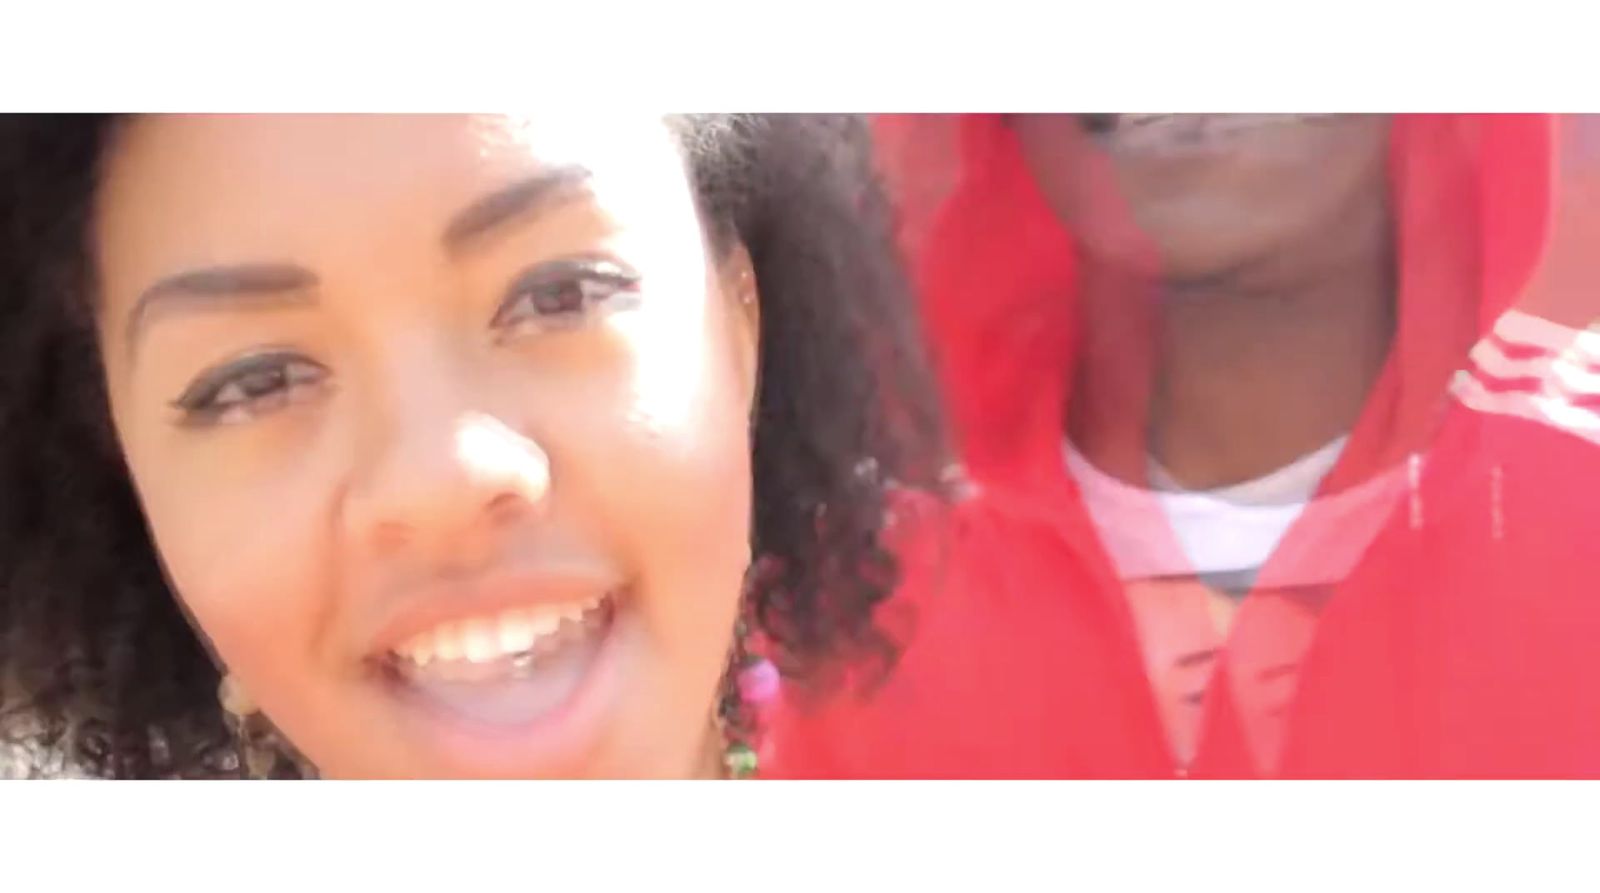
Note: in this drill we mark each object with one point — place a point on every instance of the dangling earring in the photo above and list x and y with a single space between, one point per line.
749 683
736 713
238 708
259 750
235 701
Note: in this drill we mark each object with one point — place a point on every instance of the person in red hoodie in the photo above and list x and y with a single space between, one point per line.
1282 437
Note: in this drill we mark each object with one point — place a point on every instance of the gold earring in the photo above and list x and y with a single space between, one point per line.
234 699
238 708
260 751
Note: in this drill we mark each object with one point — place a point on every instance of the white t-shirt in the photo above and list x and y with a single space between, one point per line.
1230 531
1232 540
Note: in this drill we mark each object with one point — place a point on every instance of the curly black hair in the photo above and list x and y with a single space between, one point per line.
100 672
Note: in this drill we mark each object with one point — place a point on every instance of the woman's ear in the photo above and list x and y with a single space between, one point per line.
739 284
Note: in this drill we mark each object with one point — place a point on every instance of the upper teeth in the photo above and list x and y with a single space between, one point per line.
483 639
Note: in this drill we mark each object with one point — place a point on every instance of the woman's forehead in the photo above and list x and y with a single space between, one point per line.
382 141
195 190
247 166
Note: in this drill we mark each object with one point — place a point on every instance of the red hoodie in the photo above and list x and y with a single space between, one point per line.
1465 641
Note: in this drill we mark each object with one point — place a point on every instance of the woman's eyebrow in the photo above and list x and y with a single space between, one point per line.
282 283
209 288
550 186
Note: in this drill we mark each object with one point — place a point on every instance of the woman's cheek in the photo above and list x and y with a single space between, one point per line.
687 483
686 499
682 475
247 551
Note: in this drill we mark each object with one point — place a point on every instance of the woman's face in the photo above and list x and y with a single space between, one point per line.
441 428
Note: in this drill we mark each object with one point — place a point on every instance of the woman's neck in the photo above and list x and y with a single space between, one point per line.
1228 380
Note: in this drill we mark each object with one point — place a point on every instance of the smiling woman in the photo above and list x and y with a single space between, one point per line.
444 443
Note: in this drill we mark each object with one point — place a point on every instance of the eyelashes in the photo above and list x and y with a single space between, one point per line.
564 295
249 387
557 296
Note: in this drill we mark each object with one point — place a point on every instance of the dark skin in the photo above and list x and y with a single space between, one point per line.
1237 281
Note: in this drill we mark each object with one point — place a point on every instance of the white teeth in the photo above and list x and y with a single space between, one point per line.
447 642
544 623
484 639
421 651
515 633
480 639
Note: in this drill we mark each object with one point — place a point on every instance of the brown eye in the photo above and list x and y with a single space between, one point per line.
563 295
566 297
248 388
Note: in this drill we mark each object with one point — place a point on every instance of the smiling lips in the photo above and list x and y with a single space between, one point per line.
512 640
506 669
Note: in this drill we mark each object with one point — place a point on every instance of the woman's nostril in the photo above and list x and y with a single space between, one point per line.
506 507
388 536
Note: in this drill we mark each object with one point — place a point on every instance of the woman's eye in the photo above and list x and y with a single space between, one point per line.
249 388
563 295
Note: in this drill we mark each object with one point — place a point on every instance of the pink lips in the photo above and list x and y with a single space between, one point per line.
512 689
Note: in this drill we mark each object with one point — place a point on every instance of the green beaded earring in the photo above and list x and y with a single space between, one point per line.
750 682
